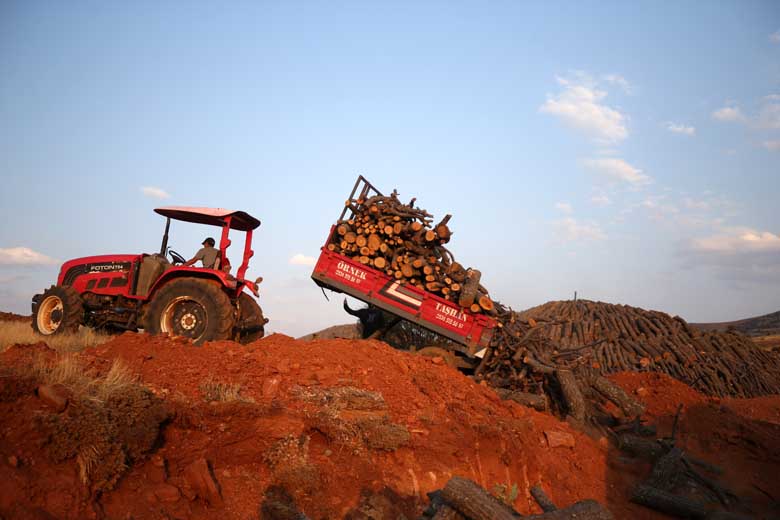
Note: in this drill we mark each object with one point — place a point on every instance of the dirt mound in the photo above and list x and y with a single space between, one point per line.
10 316
335 428
613 338
347 331
766 325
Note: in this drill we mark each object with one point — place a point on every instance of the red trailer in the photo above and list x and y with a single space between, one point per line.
472 332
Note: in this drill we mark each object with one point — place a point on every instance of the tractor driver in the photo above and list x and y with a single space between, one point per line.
207 254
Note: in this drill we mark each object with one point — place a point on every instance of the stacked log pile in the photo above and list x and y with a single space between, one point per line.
402 241
594 338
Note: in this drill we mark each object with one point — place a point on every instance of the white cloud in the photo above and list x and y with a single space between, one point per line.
775 37
618 170
570 230
773 146
563 207
769 115
155 193
678 128
580 106
738 240
618 80
24 256
696 204
301 259
729 114
601 200
737 253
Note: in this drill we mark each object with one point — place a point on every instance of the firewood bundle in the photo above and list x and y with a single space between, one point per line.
402 241
593 337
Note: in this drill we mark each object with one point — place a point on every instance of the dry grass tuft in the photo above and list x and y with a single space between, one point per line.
222 392
111 420
118 379
21 333
64 370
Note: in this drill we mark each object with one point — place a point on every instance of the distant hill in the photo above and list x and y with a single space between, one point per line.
765 325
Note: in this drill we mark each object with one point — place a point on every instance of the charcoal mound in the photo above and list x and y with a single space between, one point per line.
612 338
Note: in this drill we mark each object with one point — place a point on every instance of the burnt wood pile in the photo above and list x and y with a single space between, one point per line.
541 351
402 241
463 499
679 484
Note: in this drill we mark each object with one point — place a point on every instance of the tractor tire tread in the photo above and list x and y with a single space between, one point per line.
208 292
72 308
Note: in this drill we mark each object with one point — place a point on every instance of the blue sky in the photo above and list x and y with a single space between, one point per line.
628 151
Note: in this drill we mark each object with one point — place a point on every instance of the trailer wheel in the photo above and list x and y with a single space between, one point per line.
59 309
251 322
193 308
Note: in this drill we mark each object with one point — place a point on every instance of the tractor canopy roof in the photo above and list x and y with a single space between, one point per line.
239 220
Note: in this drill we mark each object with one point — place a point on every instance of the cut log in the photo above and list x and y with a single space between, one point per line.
649 450
407 270
668 503
469 291
630 406
486 303
535 401
380 262
442 230
374 242
445 512
474 502
350 237
584 510
430 236
668 471
361 240
572 394
542 499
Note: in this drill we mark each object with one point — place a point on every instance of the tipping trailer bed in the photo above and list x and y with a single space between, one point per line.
471 331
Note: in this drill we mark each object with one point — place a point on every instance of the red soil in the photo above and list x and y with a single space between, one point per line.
436 423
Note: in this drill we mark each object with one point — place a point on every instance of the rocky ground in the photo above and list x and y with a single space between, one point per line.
151 427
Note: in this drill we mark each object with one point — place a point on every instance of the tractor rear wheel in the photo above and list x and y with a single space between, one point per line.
59 309
193 308
251 322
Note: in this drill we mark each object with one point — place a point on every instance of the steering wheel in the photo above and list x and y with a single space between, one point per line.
176 257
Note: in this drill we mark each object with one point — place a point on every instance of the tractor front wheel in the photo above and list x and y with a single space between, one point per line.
59 309
195 309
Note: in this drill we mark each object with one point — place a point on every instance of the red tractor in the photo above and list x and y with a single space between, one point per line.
128 292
